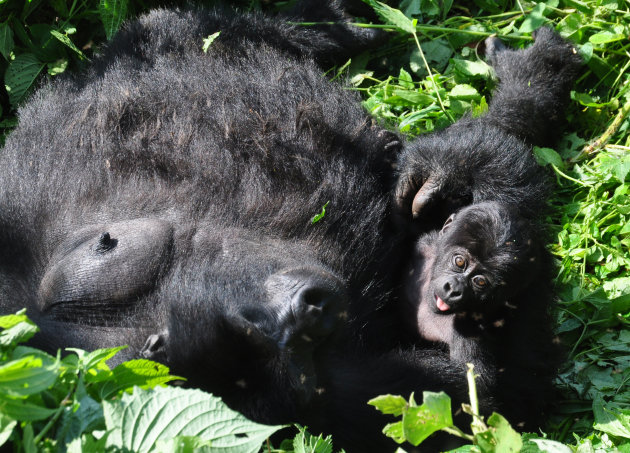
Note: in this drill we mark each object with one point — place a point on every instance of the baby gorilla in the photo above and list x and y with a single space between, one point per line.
481 287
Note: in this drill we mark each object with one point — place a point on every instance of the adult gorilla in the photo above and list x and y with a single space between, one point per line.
163 199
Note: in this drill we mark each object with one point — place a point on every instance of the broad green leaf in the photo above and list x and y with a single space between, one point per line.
414 97
24 410
546 156
465 92
96 358
140 420
88 444
21 75
7 321
534 19
405 80
183 444
392 16
27 376
136 373
395 431
506 438
18 333
421 421
77 421
6 428
68 42
304 442
472 68
606 37
6 40
550 446
389 404
112 14
610 418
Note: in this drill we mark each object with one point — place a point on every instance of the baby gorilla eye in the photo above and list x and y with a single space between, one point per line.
459 261
480 281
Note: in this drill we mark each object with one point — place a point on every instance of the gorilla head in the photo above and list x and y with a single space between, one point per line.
482 255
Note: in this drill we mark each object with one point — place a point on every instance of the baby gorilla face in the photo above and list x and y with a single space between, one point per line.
478 259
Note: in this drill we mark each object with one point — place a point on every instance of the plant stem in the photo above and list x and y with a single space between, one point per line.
477 425
607 135
435 87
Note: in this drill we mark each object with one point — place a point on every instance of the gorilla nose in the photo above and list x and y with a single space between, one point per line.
311 304
453 291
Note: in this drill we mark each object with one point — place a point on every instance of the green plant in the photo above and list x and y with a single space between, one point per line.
76 403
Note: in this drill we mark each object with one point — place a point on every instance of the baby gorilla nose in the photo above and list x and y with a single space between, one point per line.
450 293
310 303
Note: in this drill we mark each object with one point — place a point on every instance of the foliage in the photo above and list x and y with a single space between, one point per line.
78 404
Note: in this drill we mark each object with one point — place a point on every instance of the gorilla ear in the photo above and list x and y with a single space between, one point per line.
447 224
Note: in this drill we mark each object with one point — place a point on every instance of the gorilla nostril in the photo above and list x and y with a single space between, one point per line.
316 297
310 303
447 286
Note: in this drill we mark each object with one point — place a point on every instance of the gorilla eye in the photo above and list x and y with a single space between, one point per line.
480 281
459 261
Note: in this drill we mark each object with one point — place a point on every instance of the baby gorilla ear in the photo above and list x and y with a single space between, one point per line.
447 224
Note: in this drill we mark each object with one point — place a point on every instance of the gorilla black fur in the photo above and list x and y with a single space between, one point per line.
489 158
481 286
163 199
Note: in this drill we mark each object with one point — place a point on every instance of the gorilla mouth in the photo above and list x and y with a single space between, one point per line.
441 305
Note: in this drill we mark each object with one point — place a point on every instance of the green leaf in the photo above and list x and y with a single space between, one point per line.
207 42
549 446
20 75
183 444
611 418
140 420
605 37
18 333
141 373
464 92
321 215
6 428
472 68
421 421
27 376
506 439
23 410
395 431
7 321
304 442
68 42
6 40
534 19
77 421
389 404
546 156
392 16
415 97
112 13
96 358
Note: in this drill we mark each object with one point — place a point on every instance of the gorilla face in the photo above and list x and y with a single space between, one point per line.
475 263
240 314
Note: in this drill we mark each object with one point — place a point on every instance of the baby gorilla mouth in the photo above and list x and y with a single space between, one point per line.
441 305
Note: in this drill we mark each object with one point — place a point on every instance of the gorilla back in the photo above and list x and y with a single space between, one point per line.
163 199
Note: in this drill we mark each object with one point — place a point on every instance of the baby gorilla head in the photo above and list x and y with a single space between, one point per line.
482 256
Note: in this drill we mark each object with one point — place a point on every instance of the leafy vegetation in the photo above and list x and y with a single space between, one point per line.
427 76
